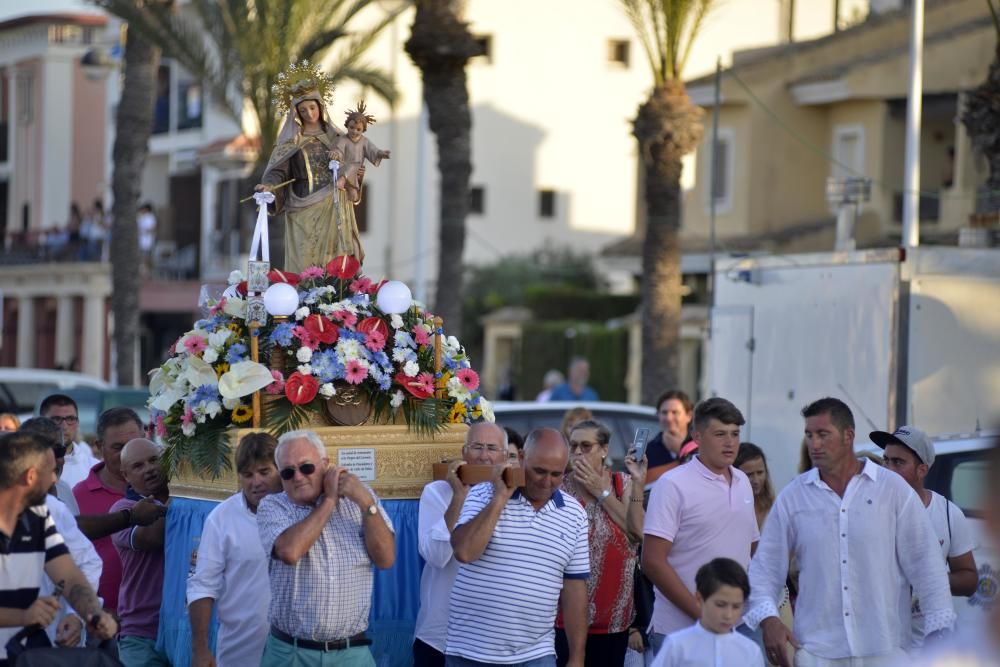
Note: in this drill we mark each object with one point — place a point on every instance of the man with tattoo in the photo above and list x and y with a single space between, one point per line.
30 545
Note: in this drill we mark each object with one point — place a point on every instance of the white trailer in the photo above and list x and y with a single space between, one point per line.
908 337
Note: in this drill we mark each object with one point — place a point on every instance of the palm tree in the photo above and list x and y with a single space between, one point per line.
667 126
982 121
133 123
440 45
237 48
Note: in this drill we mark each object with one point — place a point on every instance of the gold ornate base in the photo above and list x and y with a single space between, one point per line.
399 460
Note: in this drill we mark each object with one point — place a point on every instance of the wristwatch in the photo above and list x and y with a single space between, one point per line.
604 495
372 509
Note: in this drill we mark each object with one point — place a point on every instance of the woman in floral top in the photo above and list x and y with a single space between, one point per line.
613 502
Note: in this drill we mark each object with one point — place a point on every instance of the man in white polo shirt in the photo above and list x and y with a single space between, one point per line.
440 505
910 454
697 512
524 552
231 571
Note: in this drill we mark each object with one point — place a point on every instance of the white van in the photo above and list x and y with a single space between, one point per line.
21 388
960 473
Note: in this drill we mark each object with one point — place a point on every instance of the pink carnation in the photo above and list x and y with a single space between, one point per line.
375 341
195 344
469 378
356 372
306 338
188 416
217 308
311 272
361 286
161 426
421 334
278 386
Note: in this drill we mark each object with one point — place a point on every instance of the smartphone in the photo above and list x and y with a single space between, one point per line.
639 442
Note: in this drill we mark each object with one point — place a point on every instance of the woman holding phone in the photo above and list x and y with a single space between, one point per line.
613 503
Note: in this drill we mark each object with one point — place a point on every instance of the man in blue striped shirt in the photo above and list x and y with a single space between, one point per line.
524 552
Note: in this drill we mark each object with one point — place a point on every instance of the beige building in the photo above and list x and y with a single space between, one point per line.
794 116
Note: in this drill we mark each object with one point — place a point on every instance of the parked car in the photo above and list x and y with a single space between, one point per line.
621 418
92 401
21 389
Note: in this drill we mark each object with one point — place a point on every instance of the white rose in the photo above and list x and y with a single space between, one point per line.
397 399
305 369
302 313
396 321
327 390
411 368
210 355
304 354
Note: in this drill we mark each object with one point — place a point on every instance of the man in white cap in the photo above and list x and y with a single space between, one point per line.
910 454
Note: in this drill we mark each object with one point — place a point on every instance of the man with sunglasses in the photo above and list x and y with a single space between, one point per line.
79 459
322 534
440 504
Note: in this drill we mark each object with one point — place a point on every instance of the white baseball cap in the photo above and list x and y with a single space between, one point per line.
910 437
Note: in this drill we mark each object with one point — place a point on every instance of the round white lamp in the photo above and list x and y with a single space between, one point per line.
394 298
281 299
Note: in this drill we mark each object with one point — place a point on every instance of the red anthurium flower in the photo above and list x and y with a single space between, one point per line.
276 276
370 324
241 288
417 386
344 267
322 329
300 389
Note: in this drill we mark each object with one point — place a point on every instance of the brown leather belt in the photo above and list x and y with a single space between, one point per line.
336 645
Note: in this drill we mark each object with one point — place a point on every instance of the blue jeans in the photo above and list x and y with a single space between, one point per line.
140 652
456 661
280 654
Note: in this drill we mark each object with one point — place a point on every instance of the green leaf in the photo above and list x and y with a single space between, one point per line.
284 416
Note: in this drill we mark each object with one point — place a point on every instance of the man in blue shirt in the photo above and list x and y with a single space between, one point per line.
576 389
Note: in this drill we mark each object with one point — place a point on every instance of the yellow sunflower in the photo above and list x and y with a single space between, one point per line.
221 368
235 328
242 414
457 414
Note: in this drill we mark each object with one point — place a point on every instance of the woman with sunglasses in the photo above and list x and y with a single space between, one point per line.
613 503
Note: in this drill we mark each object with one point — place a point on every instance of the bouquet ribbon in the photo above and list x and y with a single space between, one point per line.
260 229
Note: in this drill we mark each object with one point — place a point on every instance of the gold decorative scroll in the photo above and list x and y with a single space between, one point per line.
403 460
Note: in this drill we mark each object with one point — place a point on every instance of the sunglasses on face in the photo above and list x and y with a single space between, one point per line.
306 469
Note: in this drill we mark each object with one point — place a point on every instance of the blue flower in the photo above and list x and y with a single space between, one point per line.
382 359
282 334
384 382
325 366
203 394
236 353
404 339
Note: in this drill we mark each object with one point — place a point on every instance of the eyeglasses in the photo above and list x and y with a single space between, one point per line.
65 420
584 447
479 448
306 469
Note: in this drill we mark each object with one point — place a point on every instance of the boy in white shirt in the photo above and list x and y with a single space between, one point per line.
722 587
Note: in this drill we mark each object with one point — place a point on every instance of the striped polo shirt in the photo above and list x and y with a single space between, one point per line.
22 562
503 605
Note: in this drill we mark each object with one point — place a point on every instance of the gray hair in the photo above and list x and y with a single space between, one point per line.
291 436
500 429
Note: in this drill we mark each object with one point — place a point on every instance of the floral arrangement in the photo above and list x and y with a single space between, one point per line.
337 340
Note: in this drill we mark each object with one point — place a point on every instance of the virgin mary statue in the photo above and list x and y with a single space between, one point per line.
319 218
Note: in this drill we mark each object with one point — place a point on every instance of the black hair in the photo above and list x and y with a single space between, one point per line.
840 414
720 572
716 408
18 452
46 429
514 438
116 417
255 448
56 400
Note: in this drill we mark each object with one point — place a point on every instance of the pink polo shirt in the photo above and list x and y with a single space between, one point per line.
705 517
94 497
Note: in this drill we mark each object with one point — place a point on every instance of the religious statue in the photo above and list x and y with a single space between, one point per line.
319 221
352 150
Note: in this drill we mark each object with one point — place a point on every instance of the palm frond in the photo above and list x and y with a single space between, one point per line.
666 29
207 453
284 416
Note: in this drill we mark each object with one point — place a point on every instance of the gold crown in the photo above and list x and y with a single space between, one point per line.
361 113
298 80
